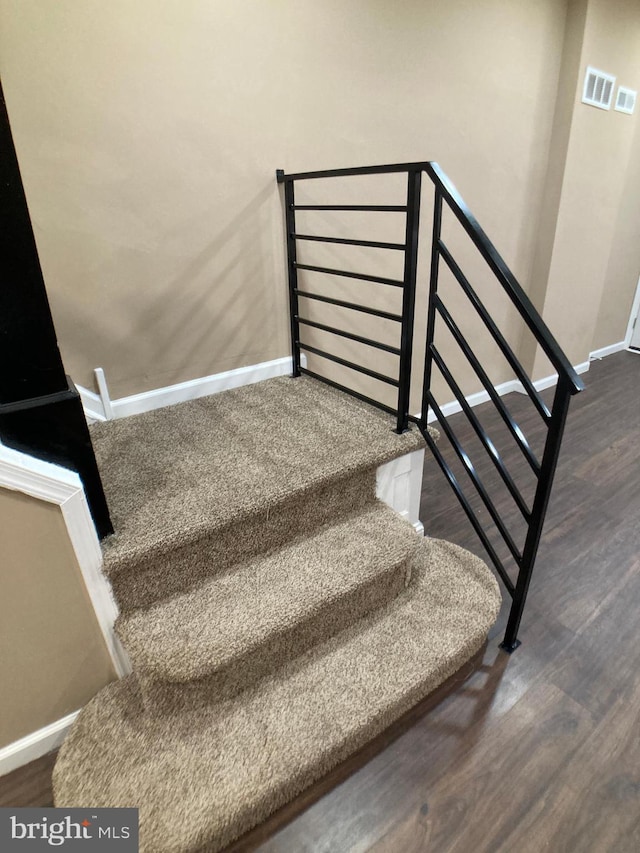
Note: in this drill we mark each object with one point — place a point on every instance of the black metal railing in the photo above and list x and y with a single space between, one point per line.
407 284
542 469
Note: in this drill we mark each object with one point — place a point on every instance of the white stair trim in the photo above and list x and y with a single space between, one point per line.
399 485
55 484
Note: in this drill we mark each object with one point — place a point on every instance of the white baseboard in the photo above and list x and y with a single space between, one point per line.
35 745
605 351
92 405
508 387
204 386
550 381
476 399
97 410
101 408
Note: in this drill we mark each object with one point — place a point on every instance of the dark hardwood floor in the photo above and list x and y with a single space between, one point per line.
537 751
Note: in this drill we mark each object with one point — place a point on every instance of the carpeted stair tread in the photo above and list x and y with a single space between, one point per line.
266 611
174 473
203 778
158 575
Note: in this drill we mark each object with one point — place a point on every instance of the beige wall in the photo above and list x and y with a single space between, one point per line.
623 267
568 83
599 186
53 658
148 135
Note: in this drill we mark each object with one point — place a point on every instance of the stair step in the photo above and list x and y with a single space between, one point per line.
206 776
153 578
243 623
220 464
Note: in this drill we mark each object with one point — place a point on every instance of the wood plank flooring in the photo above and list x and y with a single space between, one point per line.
537 751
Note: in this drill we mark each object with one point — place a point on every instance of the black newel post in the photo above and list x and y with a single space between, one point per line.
40 409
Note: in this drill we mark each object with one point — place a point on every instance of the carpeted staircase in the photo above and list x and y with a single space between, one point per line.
276 614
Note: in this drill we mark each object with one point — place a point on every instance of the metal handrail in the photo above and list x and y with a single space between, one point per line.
554 418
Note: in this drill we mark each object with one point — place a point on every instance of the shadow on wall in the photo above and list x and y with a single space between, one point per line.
186 314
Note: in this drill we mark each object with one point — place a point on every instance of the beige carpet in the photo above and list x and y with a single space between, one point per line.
238 472
276 614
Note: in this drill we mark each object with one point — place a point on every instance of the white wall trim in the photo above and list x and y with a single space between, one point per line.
583 367
552 379
103 408
476 399
55 484
35 477
35 745
92 404
603 352
506 388
86 545
105 399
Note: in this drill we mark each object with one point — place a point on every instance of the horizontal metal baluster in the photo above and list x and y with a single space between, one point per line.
475 479
397 318
487 443
374 375
372 244
350 336
348 391
375 278
495 332
383 208
504 413
455 485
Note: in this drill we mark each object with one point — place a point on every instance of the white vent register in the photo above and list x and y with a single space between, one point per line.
598 88
626 100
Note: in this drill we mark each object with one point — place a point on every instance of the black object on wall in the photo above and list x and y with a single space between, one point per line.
40 409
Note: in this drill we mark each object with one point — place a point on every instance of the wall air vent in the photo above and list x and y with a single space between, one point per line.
598 88
626 100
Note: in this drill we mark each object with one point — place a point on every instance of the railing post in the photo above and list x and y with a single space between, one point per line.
414 182
431 307
292 271
538 512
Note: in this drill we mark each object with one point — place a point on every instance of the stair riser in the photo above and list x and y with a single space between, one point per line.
163 697
160 576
